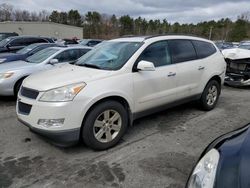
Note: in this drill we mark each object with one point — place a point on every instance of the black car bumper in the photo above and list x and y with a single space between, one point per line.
63 138
237 80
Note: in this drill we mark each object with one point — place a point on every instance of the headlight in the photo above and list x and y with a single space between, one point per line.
62 94
2 60
204 173
6 75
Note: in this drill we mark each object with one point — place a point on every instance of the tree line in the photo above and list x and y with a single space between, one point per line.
97 25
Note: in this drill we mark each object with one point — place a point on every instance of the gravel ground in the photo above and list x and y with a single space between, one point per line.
158 151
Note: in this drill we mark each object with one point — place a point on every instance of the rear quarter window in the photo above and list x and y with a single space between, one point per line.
204 49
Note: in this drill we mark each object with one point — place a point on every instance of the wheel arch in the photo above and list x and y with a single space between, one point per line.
116 98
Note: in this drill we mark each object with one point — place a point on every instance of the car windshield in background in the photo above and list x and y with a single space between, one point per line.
109 55
84 42
245 46
42 55
27 49
4 42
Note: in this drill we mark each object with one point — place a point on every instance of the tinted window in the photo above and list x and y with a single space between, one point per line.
81 52
157 53
38 40
204 49
68 55
182 50
17 42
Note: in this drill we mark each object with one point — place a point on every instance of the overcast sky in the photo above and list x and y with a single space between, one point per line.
184 11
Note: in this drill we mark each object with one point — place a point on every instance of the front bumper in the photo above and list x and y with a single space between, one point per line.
72 112
59 138
237 80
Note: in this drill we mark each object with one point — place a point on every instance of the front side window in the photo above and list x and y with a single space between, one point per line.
203 49
110 55
18 42
42 55
157 53
182 50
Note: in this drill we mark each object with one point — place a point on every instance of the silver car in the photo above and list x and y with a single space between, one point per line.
12 74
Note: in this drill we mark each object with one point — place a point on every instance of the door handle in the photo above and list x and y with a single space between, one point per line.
171 74
201 68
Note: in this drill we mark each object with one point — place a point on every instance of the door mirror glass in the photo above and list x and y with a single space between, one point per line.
145 66
53 61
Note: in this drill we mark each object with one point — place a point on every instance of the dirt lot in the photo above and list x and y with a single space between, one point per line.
158 151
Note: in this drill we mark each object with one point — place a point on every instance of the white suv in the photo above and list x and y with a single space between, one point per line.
117 82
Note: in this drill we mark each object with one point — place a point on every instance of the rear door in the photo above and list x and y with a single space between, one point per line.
189 68
155 88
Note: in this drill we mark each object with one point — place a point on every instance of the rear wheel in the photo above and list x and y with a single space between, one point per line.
104 126
210 95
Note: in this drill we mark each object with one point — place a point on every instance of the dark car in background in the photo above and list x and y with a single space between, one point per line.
224 163
13 44
6 35
90 42
25 52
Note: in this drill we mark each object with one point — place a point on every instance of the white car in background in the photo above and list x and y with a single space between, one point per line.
117 82
13 73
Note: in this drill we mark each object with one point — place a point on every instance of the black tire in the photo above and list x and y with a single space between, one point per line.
203 100
88 136
17 87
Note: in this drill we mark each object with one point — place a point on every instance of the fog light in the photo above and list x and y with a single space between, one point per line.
50 122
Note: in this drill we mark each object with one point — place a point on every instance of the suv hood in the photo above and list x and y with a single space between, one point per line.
64 75
236 53
14 65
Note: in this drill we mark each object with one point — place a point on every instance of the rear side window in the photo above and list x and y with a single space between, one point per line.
182 50
157 53
203 49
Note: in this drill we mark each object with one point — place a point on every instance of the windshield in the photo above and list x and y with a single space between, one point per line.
245 46
109 55
27 49
4 42
42 55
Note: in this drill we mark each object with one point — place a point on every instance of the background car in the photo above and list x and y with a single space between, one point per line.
90 42
12 74
25 52
6 35
224 163
224 45
244 45
67 41
13 44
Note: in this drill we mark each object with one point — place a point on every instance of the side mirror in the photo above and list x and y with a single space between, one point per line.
145 66
53 61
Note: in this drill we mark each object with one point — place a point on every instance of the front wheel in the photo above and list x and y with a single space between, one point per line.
210 95
104 126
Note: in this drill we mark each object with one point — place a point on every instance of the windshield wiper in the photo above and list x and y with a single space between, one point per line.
89 65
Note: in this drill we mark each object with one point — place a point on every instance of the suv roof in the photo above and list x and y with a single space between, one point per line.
132 38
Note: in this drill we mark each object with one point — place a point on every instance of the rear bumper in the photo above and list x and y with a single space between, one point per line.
62 138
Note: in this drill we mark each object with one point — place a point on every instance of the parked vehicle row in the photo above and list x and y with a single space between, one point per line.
25 52
99 96
12 74
13 44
